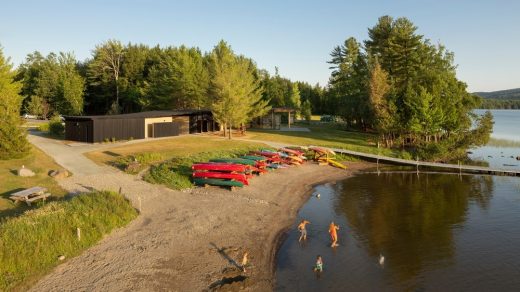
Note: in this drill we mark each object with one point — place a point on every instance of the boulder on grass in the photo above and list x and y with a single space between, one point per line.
25 172
59 174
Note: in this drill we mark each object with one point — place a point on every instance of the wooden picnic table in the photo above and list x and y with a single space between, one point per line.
30 195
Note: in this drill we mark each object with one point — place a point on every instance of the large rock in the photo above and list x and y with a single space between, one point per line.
25 172
58 174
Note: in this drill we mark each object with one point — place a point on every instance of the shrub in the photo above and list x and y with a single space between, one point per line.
31 243
43 127
56 127
144 160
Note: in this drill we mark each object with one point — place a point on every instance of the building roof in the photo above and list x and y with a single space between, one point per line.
147 114
283 110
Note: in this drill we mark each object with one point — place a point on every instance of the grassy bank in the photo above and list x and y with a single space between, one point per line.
31 243
10 182
326 135
176 172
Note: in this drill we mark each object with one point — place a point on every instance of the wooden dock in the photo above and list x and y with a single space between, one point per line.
431 165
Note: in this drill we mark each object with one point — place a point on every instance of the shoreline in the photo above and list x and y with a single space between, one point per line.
193 240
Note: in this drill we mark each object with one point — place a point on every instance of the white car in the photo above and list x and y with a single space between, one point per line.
28 116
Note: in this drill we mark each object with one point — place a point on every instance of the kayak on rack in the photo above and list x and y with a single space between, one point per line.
212 166
222 175
217 182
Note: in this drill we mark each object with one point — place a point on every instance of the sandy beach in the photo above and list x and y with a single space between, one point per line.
192 240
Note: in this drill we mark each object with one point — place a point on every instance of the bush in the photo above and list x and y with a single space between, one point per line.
144 159
43 127
56 127
31 243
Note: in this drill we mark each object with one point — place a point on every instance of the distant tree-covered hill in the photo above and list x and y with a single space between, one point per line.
501 94
502 99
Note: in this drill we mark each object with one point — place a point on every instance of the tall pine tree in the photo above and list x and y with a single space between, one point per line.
13 141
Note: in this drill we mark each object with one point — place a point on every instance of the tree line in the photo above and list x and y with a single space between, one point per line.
135 77
491 103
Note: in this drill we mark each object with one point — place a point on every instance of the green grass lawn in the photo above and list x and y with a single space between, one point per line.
10 182
31 244
326 135
168 148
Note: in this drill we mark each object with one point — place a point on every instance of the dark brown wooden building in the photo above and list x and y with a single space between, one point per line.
151 124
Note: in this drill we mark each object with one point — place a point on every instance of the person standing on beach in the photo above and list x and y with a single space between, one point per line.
244 261
333 231
303 230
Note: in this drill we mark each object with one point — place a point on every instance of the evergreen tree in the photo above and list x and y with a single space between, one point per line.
236 91
13 141
180 81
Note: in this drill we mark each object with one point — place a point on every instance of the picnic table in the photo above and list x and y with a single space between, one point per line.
30 195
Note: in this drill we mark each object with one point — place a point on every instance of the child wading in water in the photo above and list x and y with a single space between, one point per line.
319 264
303 231
333 230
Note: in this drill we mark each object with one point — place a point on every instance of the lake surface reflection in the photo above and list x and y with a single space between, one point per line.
437 232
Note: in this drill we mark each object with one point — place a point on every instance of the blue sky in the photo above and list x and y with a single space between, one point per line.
295 36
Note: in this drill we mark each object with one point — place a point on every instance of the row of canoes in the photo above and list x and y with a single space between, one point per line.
236 172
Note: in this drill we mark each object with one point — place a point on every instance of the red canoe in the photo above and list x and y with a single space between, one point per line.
231 167
232 176
291 151
267 154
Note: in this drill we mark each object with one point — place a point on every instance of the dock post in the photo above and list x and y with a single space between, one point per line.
417 164
377 161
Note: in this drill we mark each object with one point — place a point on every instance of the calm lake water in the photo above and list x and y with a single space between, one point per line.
437 232
507 126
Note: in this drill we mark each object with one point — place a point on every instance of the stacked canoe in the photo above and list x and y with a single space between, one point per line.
235 172
325 156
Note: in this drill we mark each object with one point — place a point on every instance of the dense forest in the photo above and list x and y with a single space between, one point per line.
135 77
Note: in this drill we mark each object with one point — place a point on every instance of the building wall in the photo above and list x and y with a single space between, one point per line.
149 121
79 131
184 124
119 129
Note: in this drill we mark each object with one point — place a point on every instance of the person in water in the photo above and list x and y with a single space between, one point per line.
303 231
244 261
319 264
333 231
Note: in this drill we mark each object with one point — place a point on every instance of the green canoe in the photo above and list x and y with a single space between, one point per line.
217 182
235 160
255 158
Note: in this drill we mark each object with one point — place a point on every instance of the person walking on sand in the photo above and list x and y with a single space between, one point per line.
303 231
319 264
244 261
333 231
